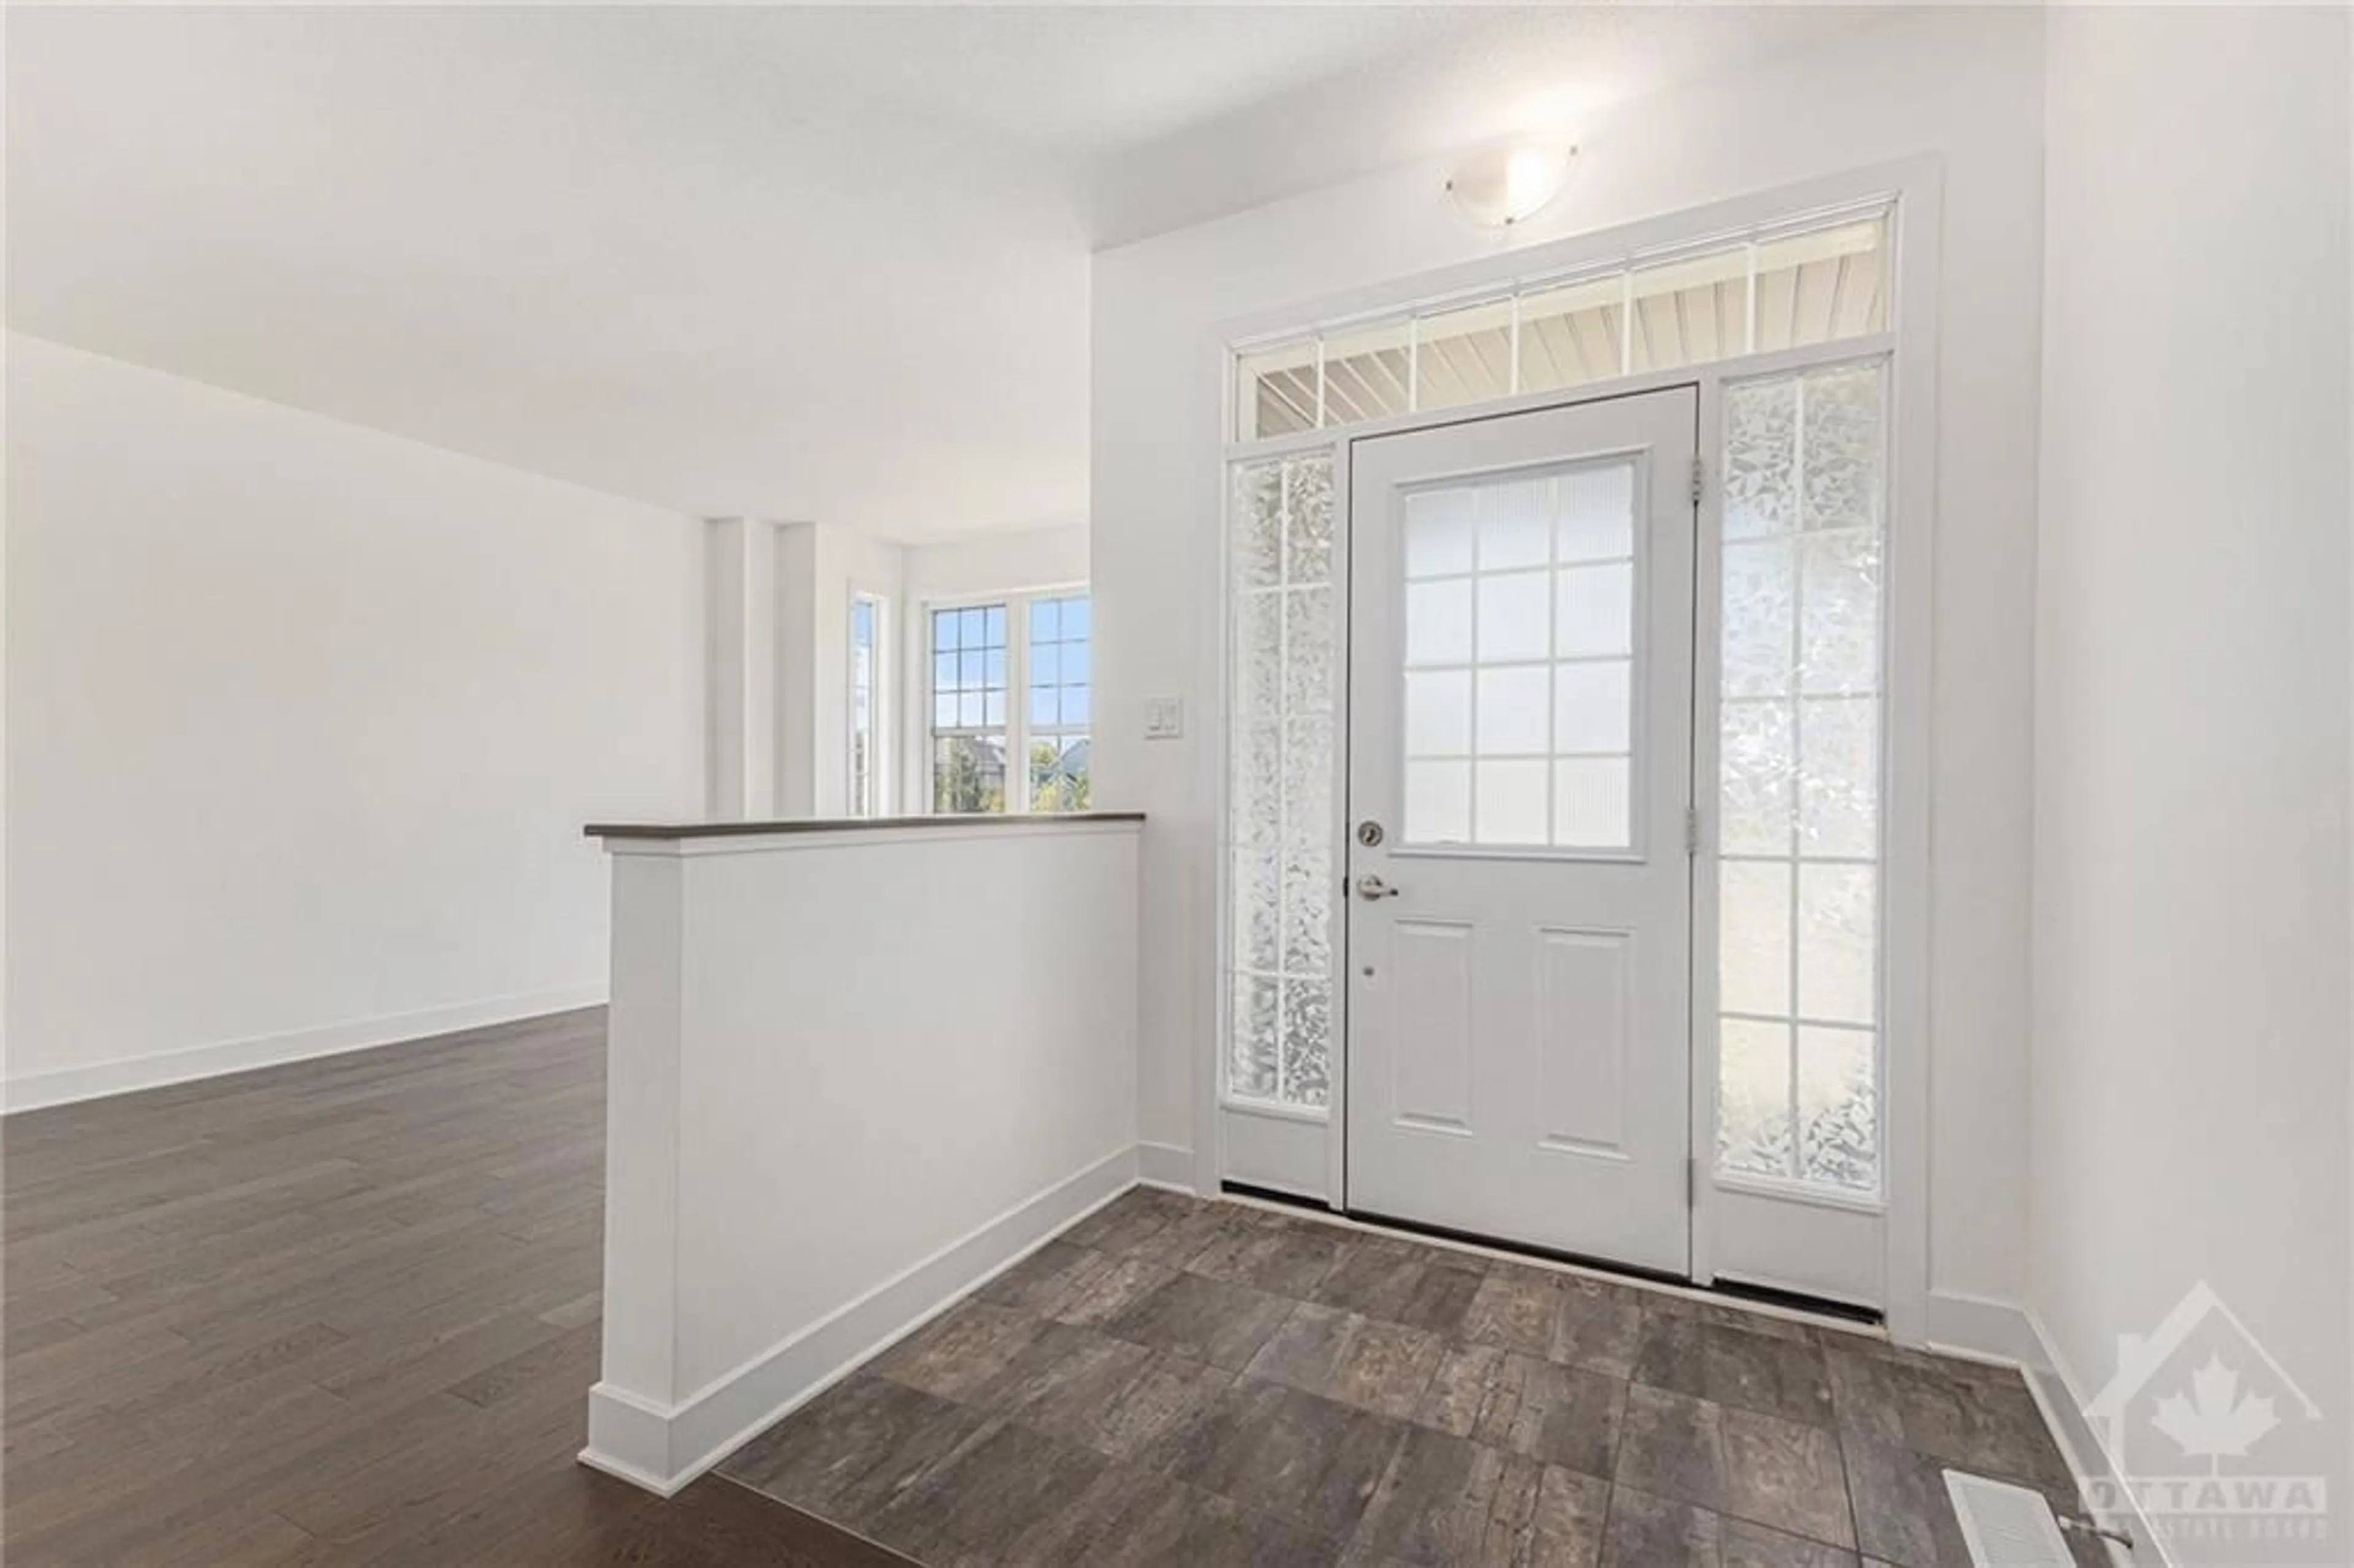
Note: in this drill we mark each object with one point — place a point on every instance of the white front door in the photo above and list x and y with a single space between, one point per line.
1519 777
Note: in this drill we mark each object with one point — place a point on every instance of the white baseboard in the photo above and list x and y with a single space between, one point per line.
1990 1331
2062 1401
664 1449
34 1091
1981 1329
1165 1165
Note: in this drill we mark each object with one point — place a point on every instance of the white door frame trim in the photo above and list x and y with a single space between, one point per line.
1916 186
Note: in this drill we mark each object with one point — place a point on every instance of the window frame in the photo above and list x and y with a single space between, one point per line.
873 801
1017 728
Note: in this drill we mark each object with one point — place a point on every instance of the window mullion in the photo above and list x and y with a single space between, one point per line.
1017 703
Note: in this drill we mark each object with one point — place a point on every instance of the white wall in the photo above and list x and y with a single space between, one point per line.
838 1101
1965 85
2193 782
305 721
998 562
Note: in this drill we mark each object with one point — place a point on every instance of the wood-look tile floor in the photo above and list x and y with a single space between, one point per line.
1180 1383
339 1312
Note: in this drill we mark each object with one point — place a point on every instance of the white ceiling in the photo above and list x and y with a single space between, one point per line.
796 262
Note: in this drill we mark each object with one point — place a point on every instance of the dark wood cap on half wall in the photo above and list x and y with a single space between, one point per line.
844 825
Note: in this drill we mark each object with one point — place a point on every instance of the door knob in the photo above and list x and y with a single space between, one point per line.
1371 887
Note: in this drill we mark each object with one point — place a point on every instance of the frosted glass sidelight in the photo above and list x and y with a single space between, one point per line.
1592 708
1439 622
1438 533
1258 526
1257 878
1437 802
1311 659
1756 779
1308 516
1838 1108
1838 797
1306 920
1308 750
1838 638
1595 610
1590 803
1837 943
1799 744
1754 944
1841 437
1307 1040
1761 608
1761 457
1754 1099
1258 660
1512 709
1285 662
1508 802
1514 617
1258 1050
1439 713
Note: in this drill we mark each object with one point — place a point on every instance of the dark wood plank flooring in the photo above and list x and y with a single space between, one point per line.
340 1312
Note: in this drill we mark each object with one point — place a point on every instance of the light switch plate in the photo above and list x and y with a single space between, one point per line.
1164 718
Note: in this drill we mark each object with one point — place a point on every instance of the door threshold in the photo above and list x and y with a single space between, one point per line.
1731 1292
1525 1249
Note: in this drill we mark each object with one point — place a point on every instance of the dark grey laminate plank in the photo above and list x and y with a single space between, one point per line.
1782 1474
1648 1532
958 1352
1733 1366
1420 1287
1559 1414
1363 1361
1313 1461
1448 1500
1202 1320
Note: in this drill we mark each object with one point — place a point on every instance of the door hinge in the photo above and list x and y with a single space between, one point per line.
1691 830
1692 1181
1699 477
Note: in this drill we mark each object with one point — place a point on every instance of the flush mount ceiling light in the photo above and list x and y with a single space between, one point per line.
1504 185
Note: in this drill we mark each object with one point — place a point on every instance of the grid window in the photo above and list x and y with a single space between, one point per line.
1799 780
1062 678
1519 661
1012 703
968 716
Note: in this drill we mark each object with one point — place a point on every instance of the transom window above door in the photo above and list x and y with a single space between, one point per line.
1520 663
1821 278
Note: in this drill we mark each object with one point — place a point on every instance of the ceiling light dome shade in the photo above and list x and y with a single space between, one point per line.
1504 185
